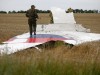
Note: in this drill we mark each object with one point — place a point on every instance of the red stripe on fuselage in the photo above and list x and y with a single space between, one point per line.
42 40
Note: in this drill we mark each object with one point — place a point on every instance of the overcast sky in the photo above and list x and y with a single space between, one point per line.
9 5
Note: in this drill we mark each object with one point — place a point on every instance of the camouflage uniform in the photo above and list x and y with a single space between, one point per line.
32 18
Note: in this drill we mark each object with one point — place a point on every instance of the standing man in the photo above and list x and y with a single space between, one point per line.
32 18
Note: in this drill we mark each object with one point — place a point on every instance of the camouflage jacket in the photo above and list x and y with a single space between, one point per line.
31 14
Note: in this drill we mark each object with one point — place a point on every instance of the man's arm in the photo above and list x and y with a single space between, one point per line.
36 15
27 13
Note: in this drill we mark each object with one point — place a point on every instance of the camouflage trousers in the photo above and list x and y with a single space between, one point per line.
32 26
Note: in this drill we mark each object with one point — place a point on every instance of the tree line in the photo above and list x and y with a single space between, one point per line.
85 11
22 11
48 11
81 11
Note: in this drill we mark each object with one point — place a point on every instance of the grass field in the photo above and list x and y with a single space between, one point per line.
91 21
83 59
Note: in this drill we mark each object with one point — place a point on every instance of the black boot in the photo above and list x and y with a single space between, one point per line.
34 33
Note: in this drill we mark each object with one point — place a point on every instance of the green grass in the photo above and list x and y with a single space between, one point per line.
21 66
83 59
